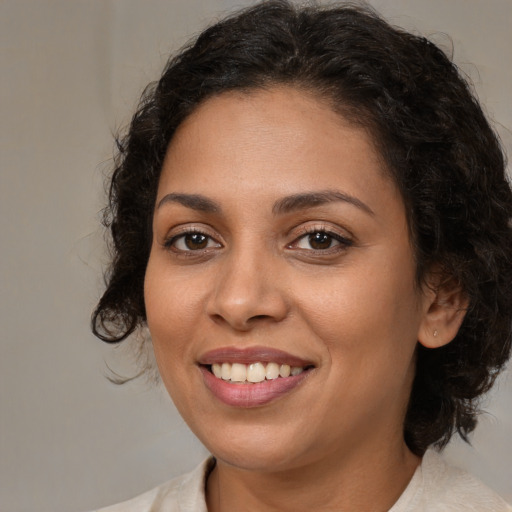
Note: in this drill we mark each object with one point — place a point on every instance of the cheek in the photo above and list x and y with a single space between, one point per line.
170 298
369 315
171 308
168 326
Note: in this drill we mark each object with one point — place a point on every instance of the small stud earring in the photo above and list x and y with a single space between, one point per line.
435 333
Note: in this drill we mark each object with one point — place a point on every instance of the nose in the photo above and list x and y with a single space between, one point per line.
247 292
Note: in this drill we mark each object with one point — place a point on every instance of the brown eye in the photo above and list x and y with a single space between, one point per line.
193 241
320 240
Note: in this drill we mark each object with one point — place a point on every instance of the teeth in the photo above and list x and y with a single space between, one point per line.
217 370
238 372
272 371
284 370
226 371
255 372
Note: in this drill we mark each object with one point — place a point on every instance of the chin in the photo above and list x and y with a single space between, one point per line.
255 447
255 457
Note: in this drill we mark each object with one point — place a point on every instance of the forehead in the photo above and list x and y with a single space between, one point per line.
269 132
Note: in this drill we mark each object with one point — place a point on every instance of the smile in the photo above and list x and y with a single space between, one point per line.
255 372
252 377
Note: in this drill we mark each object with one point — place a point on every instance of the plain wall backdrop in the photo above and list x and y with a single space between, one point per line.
71 75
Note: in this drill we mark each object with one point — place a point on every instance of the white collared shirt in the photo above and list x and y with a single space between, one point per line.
434 487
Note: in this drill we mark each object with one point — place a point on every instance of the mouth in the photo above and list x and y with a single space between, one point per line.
239 373
252 377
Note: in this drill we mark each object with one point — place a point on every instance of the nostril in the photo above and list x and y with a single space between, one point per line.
243 304
259 317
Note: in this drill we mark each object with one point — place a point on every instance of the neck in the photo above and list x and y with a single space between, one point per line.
368 480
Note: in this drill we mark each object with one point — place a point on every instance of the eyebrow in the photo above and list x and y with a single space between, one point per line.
311 199
193 201
287 204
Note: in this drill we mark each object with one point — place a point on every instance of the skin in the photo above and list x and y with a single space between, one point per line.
354 309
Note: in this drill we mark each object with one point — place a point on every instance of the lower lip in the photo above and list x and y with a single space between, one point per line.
251 395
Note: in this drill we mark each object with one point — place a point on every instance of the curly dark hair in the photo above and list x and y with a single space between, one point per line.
431 133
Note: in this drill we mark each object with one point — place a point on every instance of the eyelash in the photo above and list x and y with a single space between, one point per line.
343 242
171 241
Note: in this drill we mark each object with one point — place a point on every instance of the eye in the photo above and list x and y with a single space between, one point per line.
192 241
320 240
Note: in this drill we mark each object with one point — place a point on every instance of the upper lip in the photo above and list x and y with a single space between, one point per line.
249 355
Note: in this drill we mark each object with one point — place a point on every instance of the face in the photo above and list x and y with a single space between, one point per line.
280 245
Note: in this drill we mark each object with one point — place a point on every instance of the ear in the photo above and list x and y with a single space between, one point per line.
445 305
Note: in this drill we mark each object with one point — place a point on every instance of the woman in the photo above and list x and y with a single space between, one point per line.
311 215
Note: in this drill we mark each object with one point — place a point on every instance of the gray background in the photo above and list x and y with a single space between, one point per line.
71 72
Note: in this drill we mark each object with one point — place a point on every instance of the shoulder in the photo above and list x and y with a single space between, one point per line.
184 494
438 487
